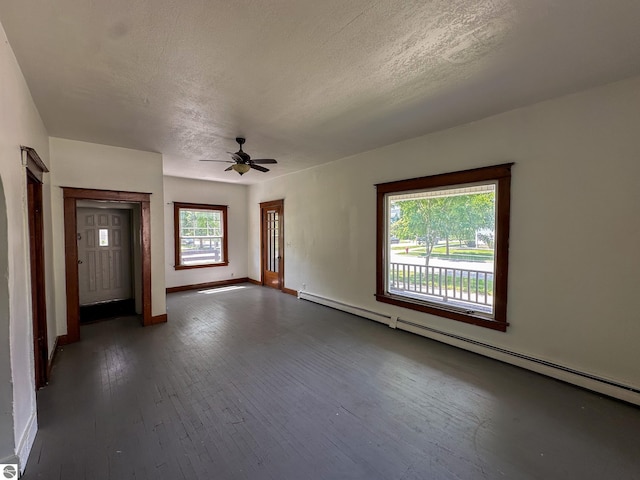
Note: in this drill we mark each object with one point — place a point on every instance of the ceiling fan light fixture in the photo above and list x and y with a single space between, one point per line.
241 168
242 162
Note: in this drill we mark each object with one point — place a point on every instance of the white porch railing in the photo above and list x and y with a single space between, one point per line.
445 283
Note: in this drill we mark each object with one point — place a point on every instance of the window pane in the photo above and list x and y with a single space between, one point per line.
441 246
201 237
103 237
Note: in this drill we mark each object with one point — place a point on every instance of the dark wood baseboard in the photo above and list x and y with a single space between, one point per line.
224 283
290 291
62 340
286 290
219 283
52 357
156 319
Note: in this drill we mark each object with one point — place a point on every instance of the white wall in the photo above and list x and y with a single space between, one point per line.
213 193
7 443
88 165
20 124
574 262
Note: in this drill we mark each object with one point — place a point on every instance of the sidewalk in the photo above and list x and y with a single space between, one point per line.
439 262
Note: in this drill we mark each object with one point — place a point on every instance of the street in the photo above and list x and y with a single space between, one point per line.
439 262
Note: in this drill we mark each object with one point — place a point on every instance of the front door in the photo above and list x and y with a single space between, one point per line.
272 243
104 255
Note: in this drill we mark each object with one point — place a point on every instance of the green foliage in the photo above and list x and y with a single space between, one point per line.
470 213
433 219
195 223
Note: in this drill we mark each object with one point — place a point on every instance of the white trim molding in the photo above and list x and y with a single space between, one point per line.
26 441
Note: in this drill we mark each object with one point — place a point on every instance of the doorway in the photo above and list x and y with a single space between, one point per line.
35 170
272 243
142 244
105 260
38 299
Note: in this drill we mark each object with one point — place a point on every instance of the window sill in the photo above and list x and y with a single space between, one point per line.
480 321
205 265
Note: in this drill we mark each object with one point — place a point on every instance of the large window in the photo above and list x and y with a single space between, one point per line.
443 244
200 235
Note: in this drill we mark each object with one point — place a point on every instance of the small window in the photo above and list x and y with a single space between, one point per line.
443 245
200 235
103 237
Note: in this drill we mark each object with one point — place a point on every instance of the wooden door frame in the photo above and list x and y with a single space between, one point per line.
35 170
37 268
71 196
264 206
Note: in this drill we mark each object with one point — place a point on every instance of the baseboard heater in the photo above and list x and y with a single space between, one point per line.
560 372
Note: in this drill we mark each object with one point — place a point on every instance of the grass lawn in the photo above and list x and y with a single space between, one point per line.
418 250
462 251
438 285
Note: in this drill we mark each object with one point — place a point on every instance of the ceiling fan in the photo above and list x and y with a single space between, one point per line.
242 162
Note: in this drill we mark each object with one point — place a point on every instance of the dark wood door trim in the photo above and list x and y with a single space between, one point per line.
263 207
34 163
38 296
71 196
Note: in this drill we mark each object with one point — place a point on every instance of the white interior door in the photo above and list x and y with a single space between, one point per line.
104 255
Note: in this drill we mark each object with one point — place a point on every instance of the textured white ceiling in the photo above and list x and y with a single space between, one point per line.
306 81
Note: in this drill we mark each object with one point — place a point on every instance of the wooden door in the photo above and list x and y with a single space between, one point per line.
38 301
104 255
272 243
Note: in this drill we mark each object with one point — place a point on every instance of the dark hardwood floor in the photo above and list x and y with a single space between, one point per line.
248 383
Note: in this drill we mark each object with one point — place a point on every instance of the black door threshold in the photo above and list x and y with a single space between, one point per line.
106 310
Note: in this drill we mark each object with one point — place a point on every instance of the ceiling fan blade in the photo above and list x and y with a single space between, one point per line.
236 157
211 160
228 168
264 160
259 168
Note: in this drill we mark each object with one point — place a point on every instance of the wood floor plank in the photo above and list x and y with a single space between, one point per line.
249 383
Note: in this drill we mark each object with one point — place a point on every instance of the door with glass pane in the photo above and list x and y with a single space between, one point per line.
272 243
104 260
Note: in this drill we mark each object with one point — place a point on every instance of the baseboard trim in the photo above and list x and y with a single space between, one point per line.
255 282
156 319
199 286
355 310
290 291
63 340
566 374
26 441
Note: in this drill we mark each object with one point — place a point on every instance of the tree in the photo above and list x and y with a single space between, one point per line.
421 218
470 213
444 218
200 223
